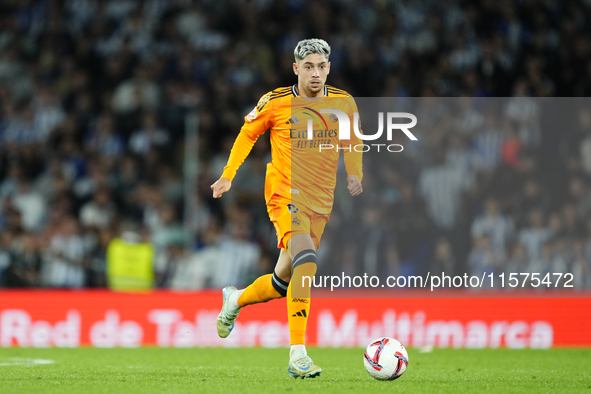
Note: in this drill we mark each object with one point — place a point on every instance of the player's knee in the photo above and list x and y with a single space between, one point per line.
279 284
305 258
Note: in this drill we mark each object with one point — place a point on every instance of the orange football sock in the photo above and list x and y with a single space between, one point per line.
299 297
265 288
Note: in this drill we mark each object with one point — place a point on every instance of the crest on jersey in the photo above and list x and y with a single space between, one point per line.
252 115
292 208
333 118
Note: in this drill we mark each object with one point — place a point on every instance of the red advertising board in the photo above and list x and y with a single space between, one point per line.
108 319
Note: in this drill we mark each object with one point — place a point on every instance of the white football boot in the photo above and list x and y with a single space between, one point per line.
303 367
227 317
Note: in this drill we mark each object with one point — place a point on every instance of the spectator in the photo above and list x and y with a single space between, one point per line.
580 196
195 272
99 212
64 259
240 255
94 179
127 180
169 231
190 273
487 143
31 205
444 261
469 119
536 235
48 112
104 140
525 112
411 226
585 149
25 263
461 158
531 196
496 225
130 262
9 185
542 263
517 262
136 93
484 260
442 186
171 185
172 269
511 148
97 267
581 265
6 256
150 136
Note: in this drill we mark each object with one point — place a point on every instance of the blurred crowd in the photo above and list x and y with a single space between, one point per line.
95 96
492 186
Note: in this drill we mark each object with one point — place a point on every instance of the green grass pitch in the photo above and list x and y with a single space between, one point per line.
242 371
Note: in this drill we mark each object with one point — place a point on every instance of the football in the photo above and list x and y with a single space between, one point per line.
385 359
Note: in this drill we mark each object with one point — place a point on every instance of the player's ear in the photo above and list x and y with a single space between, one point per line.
328 68
295 69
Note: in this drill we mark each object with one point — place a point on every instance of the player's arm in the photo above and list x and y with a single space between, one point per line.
354 159
255 124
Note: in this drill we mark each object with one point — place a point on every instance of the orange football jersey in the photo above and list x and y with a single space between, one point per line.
300 170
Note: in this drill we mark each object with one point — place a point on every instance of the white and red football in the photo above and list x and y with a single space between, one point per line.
385 359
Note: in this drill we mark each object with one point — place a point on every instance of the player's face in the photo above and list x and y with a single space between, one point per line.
312 72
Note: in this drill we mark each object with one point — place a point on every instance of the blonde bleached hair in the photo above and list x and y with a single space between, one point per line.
309 46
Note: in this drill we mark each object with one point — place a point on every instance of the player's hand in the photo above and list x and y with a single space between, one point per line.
221 186
354 185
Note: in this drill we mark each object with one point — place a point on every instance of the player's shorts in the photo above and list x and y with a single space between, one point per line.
290 219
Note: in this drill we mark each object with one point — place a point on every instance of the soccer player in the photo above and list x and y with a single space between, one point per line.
299 189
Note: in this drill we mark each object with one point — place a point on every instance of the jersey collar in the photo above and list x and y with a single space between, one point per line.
295 93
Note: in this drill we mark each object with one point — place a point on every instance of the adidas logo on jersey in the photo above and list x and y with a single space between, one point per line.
292 120
301 313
